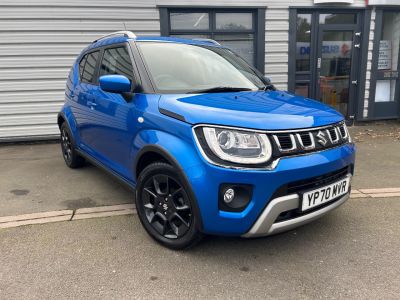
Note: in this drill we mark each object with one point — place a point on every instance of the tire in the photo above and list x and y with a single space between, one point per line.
166 208
71 157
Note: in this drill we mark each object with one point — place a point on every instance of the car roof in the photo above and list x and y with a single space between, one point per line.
121 39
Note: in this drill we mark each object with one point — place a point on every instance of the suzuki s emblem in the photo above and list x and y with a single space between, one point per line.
321 138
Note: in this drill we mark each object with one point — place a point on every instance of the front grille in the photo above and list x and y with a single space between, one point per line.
306 139
297 142
343 131
286 142
316 182
309 184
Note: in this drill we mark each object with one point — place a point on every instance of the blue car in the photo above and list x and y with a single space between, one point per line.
207 143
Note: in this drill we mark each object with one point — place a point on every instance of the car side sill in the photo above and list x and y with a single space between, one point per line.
98 164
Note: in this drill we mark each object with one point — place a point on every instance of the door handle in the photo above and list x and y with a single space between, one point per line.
91 103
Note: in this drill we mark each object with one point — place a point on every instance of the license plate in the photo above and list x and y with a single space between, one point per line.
325 194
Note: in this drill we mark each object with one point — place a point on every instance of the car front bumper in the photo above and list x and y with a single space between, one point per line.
206 180
266 225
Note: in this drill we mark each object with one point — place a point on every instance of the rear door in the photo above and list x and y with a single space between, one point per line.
115 113
84 105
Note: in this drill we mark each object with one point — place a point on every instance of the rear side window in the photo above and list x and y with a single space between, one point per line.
90 67
116 61
81 65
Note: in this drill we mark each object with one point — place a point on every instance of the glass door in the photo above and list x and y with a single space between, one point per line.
325 57
334 68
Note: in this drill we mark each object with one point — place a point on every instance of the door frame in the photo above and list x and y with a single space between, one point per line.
374 106
356 103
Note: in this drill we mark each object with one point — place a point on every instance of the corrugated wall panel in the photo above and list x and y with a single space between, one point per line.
40 39
27 96
37 61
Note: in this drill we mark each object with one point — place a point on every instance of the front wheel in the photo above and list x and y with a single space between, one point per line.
165 207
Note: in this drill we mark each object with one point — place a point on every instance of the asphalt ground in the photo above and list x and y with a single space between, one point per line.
352 253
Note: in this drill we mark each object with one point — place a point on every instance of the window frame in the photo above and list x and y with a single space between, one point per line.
258 26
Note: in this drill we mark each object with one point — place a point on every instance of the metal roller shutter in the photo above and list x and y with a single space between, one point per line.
39 40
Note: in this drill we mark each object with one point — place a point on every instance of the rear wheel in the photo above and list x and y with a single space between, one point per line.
71 157
165 207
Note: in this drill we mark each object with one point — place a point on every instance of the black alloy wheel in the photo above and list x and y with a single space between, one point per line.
71 157
66 146
165 207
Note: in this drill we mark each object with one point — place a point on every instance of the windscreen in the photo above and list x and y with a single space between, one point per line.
185 68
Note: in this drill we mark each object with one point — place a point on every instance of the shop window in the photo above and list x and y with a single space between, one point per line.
234 21
338 18
388 59
302 88
189 21
241 30
303 40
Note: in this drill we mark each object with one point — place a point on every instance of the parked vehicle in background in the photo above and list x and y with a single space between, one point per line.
206 141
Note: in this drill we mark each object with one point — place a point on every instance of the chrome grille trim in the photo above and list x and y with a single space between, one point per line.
346 133
300 139
282 150
335 129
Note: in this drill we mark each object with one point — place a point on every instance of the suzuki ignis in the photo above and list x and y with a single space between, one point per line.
206 141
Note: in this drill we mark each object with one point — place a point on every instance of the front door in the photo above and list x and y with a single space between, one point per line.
327 56
337 75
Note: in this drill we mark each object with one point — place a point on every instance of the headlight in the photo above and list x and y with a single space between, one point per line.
348 133
237 146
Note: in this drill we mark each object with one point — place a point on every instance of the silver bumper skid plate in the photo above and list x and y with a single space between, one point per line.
265 223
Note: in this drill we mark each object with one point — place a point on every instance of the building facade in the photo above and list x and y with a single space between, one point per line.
344 53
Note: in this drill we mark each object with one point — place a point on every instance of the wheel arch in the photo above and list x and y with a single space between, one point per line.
159 152
60 119
153 153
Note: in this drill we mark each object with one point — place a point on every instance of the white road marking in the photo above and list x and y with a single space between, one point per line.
379 191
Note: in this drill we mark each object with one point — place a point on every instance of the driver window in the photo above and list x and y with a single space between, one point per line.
116 61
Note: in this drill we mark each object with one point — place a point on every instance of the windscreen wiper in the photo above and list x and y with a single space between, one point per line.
220 89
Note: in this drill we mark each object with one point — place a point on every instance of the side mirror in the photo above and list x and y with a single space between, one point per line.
268 84
115 84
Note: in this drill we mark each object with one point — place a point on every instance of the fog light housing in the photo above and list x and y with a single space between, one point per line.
234 197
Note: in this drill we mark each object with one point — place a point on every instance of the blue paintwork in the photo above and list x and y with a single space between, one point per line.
115 83
259 110
106 128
